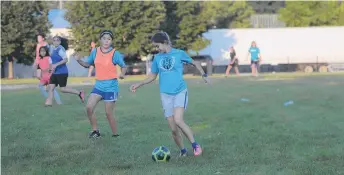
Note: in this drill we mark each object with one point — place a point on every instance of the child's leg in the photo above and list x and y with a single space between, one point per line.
178 119
57 97
92 101
42 89
236 70
49 100
180 104
229 67
62 81
253 68
109 107
176 134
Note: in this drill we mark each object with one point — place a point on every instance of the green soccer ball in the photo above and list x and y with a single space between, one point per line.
161 154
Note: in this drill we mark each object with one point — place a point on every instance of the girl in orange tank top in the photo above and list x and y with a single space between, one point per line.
105 59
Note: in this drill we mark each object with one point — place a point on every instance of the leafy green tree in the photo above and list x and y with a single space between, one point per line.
196 18
21 21
267 7
132 23
313 13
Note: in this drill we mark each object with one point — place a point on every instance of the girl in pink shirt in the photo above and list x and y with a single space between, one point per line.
41 42
44 62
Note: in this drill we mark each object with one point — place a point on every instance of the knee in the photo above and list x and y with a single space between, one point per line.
63 89
89 109
179 122
108 114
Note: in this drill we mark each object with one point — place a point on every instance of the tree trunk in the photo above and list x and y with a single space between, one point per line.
10 68
2 70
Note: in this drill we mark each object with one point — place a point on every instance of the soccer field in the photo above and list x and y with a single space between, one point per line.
260 136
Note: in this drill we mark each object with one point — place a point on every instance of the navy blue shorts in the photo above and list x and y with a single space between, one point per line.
106 96
255 63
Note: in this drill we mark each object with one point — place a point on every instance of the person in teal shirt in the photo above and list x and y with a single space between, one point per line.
254 52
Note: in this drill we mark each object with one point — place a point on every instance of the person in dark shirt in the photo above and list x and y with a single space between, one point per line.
234 62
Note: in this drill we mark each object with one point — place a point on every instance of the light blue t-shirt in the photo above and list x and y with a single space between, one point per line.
254 51
169 66
107 85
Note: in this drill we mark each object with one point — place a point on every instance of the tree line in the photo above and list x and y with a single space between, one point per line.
133 23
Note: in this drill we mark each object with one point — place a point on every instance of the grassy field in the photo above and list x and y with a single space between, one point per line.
258 137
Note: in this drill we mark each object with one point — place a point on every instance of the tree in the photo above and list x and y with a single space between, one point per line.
132 23
229 14
195 18
302 14
20 23
267 7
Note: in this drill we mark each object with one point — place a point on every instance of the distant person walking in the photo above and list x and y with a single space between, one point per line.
256 58
234 62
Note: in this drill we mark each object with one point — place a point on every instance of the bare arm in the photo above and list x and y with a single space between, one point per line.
151 77
83 63
200 69
64 61
123 70
198 66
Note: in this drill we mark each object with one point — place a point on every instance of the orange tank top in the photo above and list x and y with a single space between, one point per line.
105 68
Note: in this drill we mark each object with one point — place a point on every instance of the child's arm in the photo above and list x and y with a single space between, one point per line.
90 59
187 59
151 77
259 55
118 59
198 66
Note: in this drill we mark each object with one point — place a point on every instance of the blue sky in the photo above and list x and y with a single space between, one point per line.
56 17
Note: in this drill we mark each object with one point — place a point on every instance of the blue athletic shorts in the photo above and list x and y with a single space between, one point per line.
169 102
106 96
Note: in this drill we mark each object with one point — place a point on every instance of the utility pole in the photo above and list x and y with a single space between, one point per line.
61 4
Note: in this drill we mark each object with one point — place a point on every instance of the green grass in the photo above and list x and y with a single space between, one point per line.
259 137
78 80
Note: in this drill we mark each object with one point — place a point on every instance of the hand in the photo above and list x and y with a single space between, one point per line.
134 87
121 76
39 78
205 78
53 67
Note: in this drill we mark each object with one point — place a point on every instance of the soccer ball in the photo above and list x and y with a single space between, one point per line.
161 154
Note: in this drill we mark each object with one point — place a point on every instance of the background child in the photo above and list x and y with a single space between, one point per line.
59 70
44 62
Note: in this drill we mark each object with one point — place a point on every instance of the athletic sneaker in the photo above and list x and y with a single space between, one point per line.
115 135
82 96
183 153
197 150
94 134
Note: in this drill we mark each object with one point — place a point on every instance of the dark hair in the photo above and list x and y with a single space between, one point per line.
233 50
161 37
46 51
106 32
41 34
64 42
